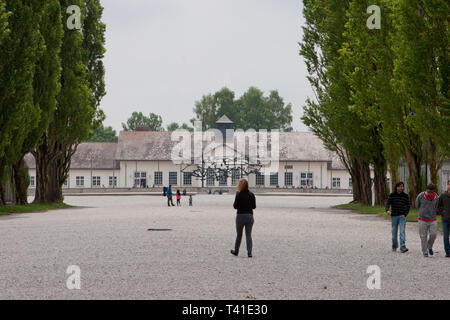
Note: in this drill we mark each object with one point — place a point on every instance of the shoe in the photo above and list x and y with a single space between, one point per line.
404 250
447 255
425 255
431 252
394 249
250 255
234 253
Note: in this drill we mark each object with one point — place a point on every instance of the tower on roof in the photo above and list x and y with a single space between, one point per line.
226 126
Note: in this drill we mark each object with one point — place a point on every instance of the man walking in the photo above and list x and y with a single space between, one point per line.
444 211
399 202
169 196
427 203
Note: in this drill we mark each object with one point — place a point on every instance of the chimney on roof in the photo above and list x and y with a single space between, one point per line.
142 128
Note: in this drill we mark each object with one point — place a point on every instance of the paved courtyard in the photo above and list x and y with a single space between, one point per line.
302 250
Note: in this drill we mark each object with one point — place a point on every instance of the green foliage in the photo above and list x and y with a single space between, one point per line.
104 134
4 31
251 111
19 52
93 53
175 126
153 122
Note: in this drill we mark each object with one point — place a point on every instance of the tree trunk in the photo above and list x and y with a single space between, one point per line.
435 164
360 173
380 182
55 184
21 192
2 195
41 155
415 175
393 168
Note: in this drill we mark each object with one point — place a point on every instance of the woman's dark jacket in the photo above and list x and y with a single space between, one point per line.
244 202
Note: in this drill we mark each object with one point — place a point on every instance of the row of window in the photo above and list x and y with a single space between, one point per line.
140 179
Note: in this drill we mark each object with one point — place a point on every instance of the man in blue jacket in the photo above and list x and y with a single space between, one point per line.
169 196
400 204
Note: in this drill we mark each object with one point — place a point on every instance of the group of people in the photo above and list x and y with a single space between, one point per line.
167 192
398 207
429 205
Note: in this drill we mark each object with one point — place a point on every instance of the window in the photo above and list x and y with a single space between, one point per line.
187 178
274 179
173 178
235 176
210 179
259 179
140 179
79 181
96 181
288 178
158 178
223 178
32 182
350 183
113 181
337 183
66 182
306 179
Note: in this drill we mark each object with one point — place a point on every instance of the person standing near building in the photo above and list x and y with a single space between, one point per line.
427 203
244 203
178 198
169 196
400 204
190 200
444 211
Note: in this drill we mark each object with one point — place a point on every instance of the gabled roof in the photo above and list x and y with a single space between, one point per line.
95 155
224 119
89 155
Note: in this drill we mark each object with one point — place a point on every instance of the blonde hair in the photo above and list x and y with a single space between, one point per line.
242 185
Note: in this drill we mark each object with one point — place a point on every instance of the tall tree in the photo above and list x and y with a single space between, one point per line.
46 86
153 122
329 116
82 87
422 73
19 51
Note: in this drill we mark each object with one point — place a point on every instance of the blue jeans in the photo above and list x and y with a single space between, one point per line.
396 222
446 230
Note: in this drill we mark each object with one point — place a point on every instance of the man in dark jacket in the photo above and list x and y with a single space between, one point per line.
444 211
400 204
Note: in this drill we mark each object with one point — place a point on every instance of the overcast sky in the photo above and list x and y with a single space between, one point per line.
163 55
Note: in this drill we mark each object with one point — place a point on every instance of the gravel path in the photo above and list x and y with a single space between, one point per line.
302 250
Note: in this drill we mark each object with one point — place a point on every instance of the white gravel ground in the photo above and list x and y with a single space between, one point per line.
302 250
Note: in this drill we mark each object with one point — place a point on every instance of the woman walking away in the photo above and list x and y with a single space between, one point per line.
178 198
244 203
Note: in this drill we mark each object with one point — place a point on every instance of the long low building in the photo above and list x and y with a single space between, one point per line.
144 159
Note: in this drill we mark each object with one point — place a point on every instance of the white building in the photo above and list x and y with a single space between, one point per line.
143 159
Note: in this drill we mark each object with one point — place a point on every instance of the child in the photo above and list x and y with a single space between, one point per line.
178 198
190 200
